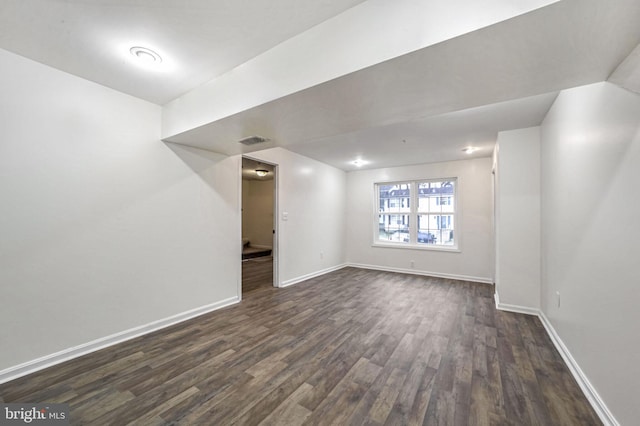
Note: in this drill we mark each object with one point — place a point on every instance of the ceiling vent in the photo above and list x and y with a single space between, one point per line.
253 140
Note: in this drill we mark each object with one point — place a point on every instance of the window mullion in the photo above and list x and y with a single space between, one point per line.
413 214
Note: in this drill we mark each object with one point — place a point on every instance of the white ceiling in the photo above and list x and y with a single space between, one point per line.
419 107
198 39
434 139
494 75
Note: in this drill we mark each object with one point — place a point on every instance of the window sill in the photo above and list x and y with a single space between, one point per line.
407 246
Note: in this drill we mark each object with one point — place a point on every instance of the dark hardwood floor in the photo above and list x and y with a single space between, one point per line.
350 347
257 273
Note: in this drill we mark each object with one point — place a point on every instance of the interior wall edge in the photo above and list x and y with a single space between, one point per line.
596 402
587 388
517 309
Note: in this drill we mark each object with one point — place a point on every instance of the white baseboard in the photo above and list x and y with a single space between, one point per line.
587 388
46 361
305 277
425 273
38 364
515 308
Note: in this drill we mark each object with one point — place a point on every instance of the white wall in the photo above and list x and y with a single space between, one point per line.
103 227
473 229
313 194
518 209
257 212
590 236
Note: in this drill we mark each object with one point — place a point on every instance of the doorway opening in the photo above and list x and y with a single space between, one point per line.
259 236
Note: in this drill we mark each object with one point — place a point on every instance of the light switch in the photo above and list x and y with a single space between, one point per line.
285 215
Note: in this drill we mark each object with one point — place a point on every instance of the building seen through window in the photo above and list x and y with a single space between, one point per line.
416 212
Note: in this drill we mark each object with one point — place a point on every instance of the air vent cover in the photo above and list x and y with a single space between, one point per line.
253 140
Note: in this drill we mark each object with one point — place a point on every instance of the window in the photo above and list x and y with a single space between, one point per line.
444 201
418 213
394 203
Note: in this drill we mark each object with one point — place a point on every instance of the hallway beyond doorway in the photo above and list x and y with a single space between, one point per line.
257 273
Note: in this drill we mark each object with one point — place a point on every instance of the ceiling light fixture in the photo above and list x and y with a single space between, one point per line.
145 55
252 140
358 163
262 172
469 150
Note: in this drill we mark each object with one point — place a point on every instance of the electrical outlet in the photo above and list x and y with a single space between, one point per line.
412 264
321 255
558 298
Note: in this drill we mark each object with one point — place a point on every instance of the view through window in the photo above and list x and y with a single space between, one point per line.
421 213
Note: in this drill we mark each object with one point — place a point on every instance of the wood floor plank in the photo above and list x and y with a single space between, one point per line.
290 412
350 347
153 416
401 410
342 399
387 397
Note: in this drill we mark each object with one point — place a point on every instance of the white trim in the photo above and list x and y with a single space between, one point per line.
413 214
305 277
515 308
275 250
38 364
408 246
46 361
587 388
239 230
426 273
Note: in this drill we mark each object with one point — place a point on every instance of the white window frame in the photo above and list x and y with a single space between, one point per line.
413 216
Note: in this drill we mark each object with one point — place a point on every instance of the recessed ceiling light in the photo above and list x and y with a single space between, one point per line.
358 163
470 150
262 172
145 55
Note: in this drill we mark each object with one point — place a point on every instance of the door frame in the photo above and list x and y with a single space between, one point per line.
275 250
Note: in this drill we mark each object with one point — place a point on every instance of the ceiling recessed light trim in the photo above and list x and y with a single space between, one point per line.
262 172
470 149
145 55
